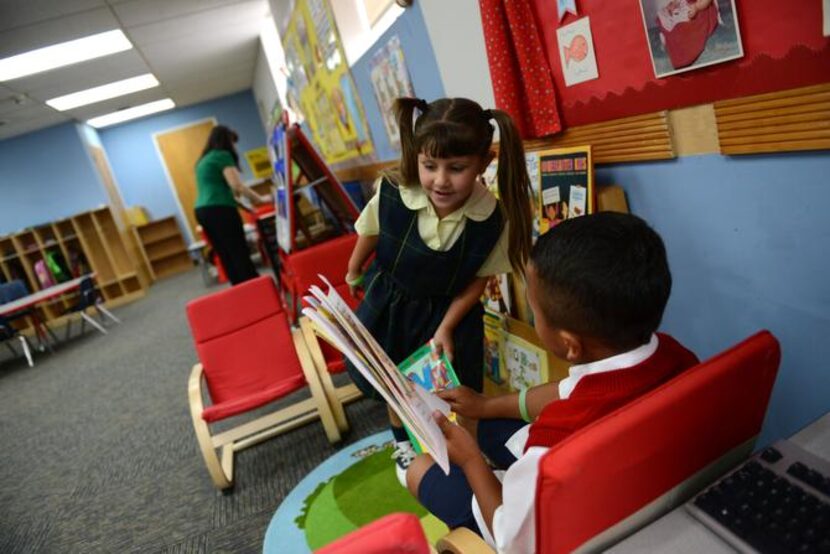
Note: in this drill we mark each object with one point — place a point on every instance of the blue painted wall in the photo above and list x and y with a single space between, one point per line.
747 241
136 164
44 176
423 71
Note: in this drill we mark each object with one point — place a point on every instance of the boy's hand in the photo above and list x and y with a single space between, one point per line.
443 342
465 402
461 447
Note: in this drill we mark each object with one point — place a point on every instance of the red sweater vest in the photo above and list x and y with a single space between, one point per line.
600 394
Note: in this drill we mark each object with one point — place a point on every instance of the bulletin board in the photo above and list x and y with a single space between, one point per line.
320 86
780 39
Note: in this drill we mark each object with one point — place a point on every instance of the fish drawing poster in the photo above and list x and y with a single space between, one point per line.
576 52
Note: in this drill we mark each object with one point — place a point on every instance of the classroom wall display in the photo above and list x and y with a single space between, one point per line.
683 36
566 185
784 39
576 52
390 80
825 6
565 6
259 162
320 87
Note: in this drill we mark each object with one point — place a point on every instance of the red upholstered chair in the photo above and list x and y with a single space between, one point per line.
616 475
393 534
301 270
249 357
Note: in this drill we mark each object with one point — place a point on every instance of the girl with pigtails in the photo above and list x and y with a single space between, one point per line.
437 234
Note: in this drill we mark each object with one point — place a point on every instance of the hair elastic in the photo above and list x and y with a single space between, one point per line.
422 104
488 114
356 282
523 405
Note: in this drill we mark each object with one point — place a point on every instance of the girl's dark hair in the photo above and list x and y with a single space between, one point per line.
605 276
452 127
222 138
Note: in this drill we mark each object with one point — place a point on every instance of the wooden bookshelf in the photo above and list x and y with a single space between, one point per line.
164 248
87 242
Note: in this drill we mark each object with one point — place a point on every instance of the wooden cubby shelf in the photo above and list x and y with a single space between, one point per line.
164 248
86 242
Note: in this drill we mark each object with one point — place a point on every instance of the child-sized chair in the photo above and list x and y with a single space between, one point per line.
621 472
249 357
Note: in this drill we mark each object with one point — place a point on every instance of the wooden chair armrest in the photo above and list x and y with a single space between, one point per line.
194 389
463 541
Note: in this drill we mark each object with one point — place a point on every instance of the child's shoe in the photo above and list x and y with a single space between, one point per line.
403 456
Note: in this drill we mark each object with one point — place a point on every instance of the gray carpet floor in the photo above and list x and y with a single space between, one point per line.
99 453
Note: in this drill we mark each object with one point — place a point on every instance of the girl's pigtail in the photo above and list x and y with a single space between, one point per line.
404 112
514 190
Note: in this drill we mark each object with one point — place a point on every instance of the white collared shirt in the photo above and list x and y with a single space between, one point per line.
514 524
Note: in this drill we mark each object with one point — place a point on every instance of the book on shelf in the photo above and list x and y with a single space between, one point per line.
412 403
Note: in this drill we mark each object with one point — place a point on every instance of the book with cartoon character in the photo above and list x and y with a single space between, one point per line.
431 371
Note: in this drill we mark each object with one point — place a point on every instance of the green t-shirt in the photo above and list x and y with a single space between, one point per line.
211 187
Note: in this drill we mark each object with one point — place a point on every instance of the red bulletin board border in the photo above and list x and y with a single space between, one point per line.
783 48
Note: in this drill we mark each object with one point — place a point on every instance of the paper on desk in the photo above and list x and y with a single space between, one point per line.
413 404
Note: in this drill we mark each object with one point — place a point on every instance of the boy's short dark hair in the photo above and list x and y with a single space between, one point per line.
604 276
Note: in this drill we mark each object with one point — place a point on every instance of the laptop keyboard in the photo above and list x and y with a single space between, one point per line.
777 501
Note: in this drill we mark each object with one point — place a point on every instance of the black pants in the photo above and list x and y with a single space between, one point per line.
224 230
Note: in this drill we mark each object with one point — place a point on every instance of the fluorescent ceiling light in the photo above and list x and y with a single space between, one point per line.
104 92
65 53
132 113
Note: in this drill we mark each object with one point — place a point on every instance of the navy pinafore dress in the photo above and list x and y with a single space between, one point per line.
409 287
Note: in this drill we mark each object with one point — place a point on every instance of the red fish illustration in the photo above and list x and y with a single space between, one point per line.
577 50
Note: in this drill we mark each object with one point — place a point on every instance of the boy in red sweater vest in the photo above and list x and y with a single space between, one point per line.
597 286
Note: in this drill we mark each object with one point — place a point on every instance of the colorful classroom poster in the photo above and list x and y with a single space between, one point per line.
567 185
259 162
320 87
390 80
576 52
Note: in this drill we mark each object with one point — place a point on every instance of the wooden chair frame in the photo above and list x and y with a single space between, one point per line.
336 396
264 427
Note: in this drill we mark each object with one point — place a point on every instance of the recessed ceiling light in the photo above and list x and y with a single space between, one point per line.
104 92
132 113
65 53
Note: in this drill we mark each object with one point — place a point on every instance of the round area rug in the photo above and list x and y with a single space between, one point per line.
355 486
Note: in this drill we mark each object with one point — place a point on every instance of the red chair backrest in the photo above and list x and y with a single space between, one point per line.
393 534
243 340
330 259
614 467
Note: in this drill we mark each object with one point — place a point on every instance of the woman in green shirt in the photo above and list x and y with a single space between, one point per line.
217 181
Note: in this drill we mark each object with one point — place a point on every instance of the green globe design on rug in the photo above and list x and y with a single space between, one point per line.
352 488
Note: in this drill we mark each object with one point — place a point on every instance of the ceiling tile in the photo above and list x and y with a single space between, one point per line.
92 73
18 13
115 104
212 24
54 31
141 12
15 127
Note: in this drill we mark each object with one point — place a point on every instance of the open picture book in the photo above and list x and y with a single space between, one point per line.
414 405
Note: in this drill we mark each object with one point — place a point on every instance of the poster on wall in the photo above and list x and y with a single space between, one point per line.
567 185
320 86
825 6
390 80
576 52
684 35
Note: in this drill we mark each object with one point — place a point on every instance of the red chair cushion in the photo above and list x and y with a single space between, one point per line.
615 466
393 534
245 345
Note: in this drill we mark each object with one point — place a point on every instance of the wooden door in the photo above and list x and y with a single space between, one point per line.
180 149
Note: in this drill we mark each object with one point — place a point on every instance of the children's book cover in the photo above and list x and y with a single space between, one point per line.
433 372
567 185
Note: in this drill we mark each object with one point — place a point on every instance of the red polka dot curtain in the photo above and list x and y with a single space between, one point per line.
522 81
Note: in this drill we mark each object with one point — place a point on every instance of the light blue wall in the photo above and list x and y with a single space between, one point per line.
423 71
748 240
136 164
44 176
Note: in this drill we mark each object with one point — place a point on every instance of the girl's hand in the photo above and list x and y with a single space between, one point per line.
465 402
461 446
444 343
